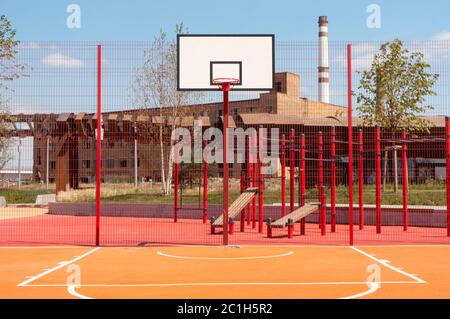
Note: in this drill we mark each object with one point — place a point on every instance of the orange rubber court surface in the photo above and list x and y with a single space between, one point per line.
226 272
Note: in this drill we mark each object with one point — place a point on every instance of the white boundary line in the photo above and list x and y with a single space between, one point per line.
373 286
291 246
59 266
224 258
386 264
232 284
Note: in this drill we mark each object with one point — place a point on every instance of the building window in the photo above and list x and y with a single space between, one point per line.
85 180
38 152
110 163
52 146
51 180
86 145
52 164
123 163
278 86
138 163
86 164
110 144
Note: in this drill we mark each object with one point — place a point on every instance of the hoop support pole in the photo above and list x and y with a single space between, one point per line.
225 90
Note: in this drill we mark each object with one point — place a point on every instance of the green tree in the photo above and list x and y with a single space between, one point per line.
392 93
10 70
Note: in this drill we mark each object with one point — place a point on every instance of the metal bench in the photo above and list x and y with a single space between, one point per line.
236 207
290 219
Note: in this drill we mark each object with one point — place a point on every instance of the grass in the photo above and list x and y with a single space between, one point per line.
430 193
23 196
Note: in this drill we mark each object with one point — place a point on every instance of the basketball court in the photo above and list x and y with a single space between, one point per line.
226 272
149 256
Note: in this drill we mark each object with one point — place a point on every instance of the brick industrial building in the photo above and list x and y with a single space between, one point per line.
283 108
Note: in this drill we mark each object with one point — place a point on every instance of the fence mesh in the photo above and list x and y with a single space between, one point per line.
49 152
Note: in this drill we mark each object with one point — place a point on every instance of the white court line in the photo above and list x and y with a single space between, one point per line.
224 258
386 264
373 286
71 289
324 283
59 266
294 246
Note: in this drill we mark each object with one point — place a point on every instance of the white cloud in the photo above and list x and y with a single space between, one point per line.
442 35
60 60
29 45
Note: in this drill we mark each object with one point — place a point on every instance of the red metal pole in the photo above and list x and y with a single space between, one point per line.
99 146
447 136
292 170
242 223
323 216
255 144
333 179
378 178
225 89
283 175
260 185
175 188
350 142
302 181
405 181
248 180
361 178
205 188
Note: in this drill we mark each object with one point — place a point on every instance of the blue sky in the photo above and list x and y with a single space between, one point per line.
62 74
288 19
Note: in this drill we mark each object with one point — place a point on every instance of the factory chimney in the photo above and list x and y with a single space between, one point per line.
324 81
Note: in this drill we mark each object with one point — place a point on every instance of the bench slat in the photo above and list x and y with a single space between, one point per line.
296 215
238 205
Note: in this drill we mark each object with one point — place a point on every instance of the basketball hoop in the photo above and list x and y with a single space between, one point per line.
226 84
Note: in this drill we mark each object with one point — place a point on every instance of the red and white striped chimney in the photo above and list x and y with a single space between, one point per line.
324 80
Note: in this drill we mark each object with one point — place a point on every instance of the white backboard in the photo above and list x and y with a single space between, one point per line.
203 58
